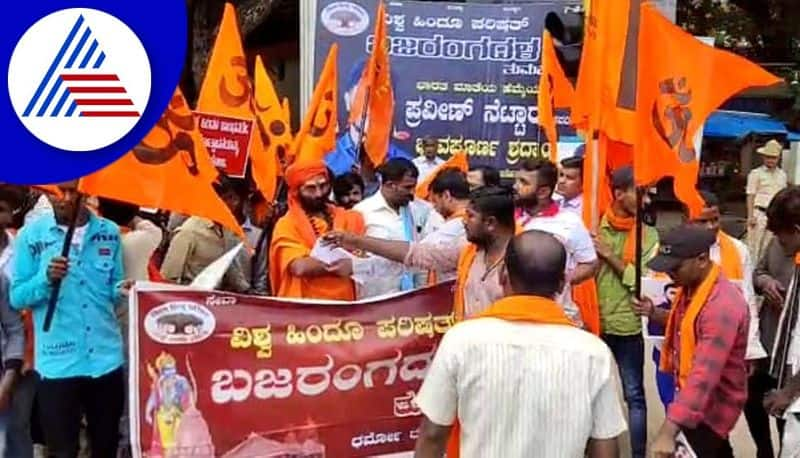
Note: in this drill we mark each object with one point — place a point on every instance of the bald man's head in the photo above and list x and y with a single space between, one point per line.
535 263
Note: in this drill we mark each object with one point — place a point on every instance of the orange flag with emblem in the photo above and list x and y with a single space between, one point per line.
555 91
458 161
681 82
226 87
170 169
275 137
375 92
317 135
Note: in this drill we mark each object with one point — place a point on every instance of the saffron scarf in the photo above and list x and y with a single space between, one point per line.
465 261
530 309
729 257
687 328
624 224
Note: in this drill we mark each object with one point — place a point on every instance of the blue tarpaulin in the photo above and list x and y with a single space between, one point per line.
738 124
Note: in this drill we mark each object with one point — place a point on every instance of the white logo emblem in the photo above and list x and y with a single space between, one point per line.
79 79
180 323
345 19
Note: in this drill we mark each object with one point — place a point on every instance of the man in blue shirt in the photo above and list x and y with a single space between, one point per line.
80 358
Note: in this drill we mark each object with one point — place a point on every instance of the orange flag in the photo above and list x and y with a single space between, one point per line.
317 135
606 85
681 82
275 137
287 113
457 161
555 91
225 96
375 92
226 87
170 169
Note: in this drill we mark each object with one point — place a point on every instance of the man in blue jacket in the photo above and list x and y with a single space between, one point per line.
80 358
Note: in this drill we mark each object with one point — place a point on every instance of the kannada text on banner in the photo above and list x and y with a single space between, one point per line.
227 375
466 74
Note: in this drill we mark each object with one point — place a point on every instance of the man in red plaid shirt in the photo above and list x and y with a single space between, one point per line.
704 346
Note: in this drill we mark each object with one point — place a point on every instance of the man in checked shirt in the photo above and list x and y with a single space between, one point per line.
705 344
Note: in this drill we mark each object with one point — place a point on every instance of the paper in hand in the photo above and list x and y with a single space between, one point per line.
328 253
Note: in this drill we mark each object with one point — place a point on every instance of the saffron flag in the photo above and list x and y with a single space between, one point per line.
275 137
317 135
224 108
555 91
287 113
226 87
374 93
170 169
681 82
457 161
606 86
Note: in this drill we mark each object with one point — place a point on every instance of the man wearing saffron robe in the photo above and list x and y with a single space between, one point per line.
292 271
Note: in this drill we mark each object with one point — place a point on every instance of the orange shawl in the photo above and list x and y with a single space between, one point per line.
584 294
465 261
531 309
687 329
626 224
729 257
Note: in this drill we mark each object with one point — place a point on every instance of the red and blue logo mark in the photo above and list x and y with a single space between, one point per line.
79 85
93 79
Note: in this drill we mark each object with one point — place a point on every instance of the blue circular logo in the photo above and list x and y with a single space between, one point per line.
85 84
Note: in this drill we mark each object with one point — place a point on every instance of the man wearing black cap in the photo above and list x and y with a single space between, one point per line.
704 346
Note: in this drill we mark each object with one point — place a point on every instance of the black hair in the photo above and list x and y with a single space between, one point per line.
573 163
496 201
452 180
122 213
783 213
622 179
343 184
396 169
535 262
491 177
224 185
546 172
15 196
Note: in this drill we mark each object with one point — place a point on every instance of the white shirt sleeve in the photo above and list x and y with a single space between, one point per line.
608 420
582 245
438 396
754 348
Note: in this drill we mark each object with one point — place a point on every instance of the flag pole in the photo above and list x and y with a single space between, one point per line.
65 249
640 190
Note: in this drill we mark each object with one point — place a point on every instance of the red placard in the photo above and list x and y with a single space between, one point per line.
242 376
227 141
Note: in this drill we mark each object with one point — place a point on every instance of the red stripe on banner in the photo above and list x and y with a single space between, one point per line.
109 114
96 102
94 89
103 77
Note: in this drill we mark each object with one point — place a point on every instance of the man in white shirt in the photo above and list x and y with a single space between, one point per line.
520 379
428 162
392 214
534 184
570 185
